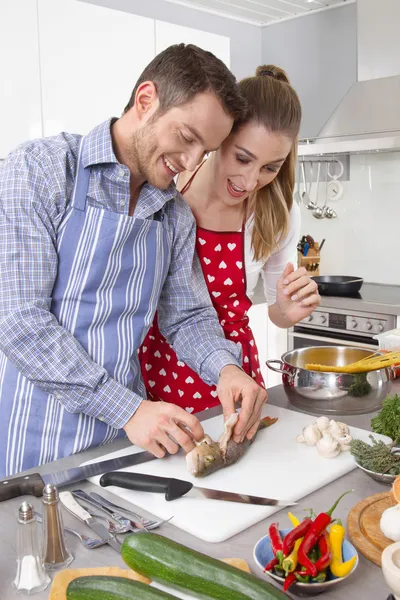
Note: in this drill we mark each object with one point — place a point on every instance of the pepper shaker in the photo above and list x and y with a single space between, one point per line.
55 552
31 577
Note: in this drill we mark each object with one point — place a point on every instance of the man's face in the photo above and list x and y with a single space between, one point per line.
178 139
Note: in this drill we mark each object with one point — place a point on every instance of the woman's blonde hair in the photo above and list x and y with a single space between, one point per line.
273 103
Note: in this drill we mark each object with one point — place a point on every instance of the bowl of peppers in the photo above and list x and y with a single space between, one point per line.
308 558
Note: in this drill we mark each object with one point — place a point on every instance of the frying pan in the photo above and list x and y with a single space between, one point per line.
338 285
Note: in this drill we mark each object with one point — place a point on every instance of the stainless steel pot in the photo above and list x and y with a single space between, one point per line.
331 393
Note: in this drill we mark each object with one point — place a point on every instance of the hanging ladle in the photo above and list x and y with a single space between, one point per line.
318 212
313 205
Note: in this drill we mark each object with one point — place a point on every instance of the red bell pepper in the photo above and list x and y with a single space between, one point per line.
294 535
318 526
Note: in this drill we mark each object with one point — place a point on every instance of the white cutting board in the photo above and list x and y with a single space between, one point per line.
275 466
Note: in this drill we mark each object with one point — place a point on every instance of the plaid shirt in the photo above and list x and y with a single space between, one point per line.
36 183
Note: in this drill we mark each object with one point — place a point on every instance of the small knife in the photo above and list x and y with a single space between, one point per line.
83 515
176 488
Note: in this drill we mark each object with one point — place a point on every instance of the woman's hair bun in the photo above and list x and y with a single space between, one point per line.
272 71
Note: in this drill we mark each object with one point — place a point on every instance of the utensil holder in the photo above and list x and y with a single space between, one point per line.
311 262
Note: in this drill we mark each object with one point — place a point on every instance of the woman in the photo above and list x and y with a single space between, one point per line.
247 224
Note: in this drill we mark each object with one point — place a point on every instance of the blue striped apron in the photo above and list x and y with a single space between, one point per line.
111 271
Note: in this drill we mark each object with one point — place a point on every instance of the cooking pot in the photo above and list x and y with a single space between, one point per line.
331 393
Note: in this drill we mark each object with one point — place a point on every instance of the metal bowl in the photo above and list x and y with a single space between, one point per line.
384 478
331 393
262 554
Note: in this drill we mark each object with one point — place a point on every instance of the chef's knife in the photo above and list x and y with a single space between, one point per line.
176 488
33 484
83 515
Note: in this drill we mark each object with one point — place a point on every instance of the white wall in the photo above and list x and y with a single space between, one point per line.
364 240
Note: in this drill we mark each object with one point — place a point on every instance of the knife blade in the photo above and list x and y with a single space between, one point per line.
34 483
83 515
176 488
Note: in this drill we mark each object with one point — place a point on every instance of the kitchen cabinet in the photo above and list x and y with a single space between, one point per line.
20 107
168 34
90 59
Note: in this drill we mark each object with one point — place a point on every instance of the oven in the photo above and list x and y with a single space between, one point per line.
337 327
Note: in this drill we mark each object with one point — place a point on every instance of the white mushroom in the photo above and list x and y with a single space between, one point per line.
344 442
337 428
327 446
322 423
310 435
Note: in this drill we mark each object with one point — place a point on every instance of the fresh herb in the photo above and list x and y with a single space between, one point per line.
387 421
360 386
377 457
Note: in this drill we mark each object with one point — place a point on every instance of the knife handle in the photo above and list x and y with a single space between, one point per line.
172 488
30 485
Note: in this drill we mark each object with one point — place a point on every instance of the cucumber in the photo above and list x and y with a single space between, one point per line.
101 587
163 560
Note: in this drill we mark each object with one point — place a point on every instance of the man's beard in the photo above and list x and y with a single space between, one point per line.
142 156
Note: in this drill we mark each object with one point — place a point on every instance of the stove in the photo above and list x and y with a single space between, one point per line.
333 326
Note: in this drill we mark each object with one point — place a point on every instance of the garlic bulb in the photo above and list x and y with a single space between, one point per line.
390 523
327 446
310 435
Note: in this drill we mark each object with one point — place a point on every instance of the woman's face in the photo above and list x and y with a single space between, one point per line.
248 160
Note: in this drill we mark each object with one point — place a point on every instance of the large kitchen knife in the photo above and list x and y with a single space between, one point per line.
176 488
83 515
33 484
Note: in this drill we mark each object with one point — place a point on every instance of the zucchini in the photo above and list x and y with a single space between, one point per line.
101 587
177 566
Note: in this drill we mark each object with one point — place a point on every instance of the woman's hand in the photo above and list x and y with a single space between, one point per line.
297 295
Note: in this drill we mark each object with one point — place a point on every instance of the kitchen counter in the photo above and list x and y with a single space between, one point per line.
366 583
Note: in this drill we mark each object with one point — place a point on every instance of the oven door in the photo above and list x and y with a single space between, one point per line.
297 340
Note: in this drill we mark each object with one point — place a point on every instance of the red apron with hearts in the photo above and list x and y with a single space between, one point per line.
165 376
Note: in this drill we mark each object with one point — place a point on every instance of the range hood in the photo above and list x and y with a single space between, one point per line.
367 118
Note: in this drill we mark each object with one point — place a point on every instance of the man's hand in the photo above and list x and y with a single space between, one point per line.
154 424
234 386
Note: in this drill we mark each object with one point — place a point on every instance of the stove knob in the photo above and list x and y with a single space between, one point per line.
353 323
381 327
322 319
368 326
310 318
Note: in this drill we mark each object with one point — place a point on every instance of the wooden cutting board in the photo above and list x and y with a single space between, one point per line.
363 526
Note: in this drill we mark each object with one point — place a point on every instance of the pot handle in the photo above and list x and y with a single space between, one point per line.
269 365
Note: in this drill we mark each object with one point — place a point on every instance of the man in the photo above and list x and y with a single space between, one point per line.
94 236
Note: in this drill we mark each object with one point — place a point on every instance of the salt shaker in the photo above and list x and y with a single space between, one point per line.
31 577
55 553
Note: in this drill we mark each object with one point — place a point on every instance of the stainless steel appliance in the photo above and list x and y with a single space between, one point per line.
337 327
332 393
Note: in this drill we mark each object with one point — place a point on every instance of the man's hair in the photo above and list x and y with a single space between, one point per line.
184 70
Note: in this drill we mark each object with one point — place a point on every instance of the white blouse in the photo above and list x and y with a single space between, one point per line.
272 269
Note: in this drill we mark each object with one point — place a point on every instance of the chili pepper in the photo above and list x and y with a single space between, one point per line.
272 563
294 520
319 525
296 533
338 567
290 579
325 552
320 577
302 578
276 541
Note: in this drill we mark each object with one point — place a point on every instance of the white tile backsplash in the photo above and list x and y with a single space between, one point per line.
364 239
